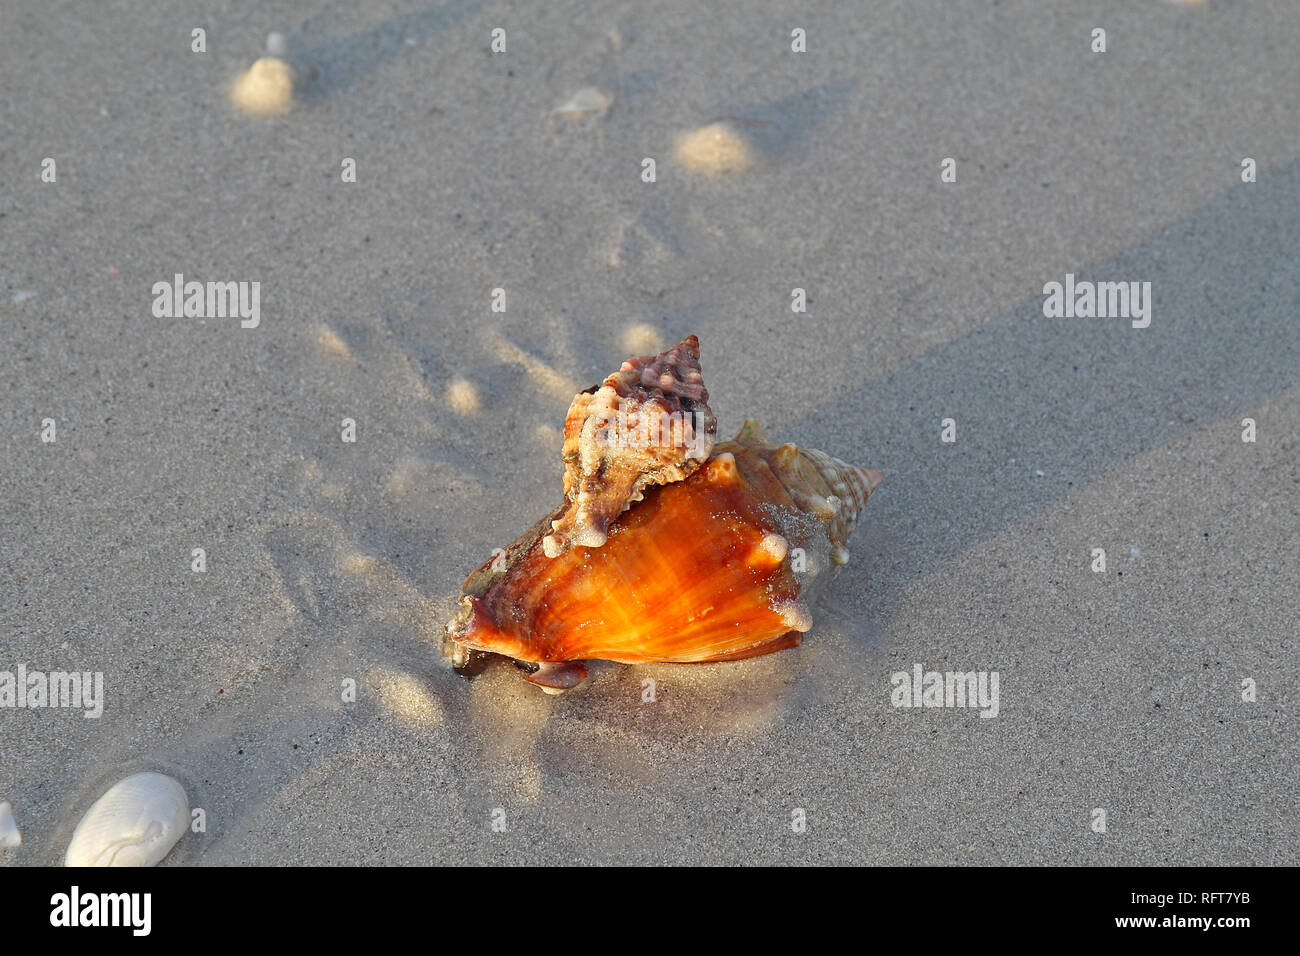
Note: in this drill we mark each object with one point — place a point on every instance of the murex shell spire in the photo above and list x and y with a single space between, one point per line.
647 424
667 546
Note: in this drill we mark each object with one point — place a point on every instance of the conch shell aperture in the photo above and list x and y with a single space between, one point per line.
667 547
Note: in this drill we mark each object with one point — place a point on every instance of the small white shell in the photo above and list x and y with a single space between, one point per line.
589 99
9 835
135 823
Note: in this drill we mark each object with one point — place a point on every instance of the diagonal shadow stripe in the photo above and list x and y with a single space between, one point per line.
1074 398
336 65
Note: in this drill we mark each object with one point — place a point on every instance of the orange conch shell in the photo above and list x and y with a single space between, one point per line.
720 566
647 424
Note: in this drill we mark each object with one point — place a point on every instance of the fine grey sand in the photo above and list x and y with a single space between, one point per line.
329 561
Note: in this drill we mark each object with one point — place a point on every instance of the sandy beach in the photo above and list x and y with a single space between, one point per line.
450 241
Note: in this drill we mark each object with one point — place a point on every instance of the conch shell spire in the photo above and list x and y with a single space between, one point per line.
647 424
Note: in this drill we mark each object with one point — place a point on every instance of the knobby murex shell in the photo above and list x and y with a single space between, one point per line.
647 424
672 549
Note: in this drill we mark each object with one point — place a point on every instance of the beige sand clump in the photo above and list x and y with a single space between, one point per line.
406 699
714 150
641 339
462 396
264 89
543 375
332 344
405 478
550 437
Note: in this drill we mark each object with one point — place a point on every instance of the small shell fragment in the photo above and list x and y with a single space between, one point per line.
135 823
587 100
9 834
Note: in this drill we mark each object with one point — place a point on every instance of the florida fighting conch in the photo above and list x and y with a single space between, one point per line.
668 547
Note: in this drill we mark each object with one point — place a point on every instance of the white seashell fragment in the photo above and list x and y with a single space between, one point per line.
586 100
135 823
9 835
